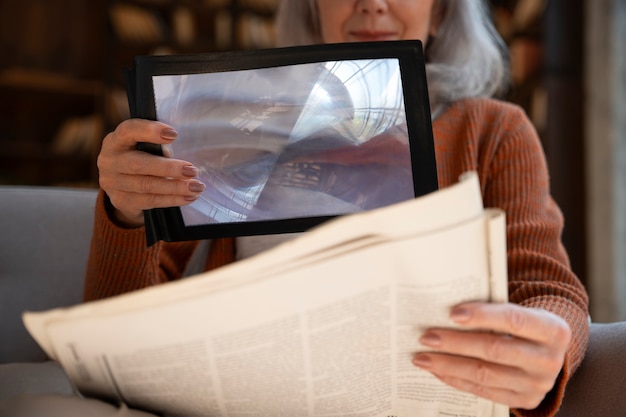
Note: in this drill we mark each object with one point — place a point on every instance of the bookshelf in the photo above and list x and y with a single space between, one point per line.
61 77
50 69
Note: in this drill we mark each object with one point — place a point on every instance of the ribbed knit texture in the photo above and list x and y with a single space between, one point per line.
493 138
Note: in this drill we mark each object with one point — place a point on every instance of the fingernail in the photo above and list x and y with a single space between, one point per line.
422 361
430 340
460 314
196 187
190 171
169 134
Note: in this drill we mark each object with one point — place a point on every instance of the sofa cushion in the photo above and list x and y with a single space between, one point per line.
44 245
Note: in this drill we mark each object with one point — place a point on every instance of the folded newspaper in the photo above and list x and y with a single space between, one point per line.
323 325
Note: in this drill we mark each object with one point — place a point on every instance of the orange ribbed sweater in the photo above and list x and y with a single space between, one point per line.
493 138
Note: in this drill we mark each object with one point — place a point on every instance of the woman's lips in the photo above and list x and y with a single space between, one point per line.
370 35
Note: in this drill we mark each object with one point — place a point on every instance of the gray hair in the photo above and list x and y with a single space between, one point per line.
465 59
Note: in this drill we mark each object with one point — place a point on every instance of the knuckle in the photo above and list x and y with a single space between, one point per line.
151 201
135 165
124 129
108 138
480 391
144 185
104 182
482 374
495 349
102 162
515 319
563 333
105 146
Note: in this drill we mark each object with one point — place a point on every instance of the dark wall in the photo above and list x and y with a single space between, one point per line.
564 135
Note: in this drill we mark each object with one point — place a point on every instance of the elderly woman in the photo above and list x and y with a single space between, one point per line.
525 350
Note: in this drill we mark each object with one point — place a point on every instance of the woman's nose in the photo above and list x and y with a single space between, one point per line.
372 6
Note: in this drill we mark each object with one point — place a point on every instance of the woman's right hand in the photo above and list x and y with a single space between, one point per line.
135 180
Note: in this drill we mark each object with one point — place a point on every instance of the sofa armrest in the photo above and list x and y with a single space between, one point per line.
597 387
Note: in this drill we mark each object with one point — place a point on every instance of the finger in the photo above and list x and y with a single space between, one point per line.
532 324
509 395
132 131
142 163
119 153
159 186
498 383
475 370
135 204
142 201
492 347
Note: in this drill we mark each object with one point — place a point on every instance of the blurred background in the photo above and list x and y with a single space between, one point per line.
62 89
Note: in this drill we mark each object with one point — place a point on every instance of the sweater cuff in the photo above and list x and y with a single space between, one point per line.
119 259
109 229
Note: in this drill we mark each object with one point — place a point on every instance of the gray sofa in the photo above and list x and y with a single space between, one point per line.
44 242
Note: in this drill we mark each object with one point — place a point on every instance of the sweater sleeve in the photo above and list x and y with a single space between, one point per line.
120 261
540 276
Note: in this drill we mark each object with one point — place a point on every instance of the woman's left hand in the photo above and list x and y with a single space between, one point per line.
514 358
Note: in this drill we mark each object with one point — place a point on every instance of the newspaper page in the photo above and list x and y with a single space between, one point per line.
325 325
